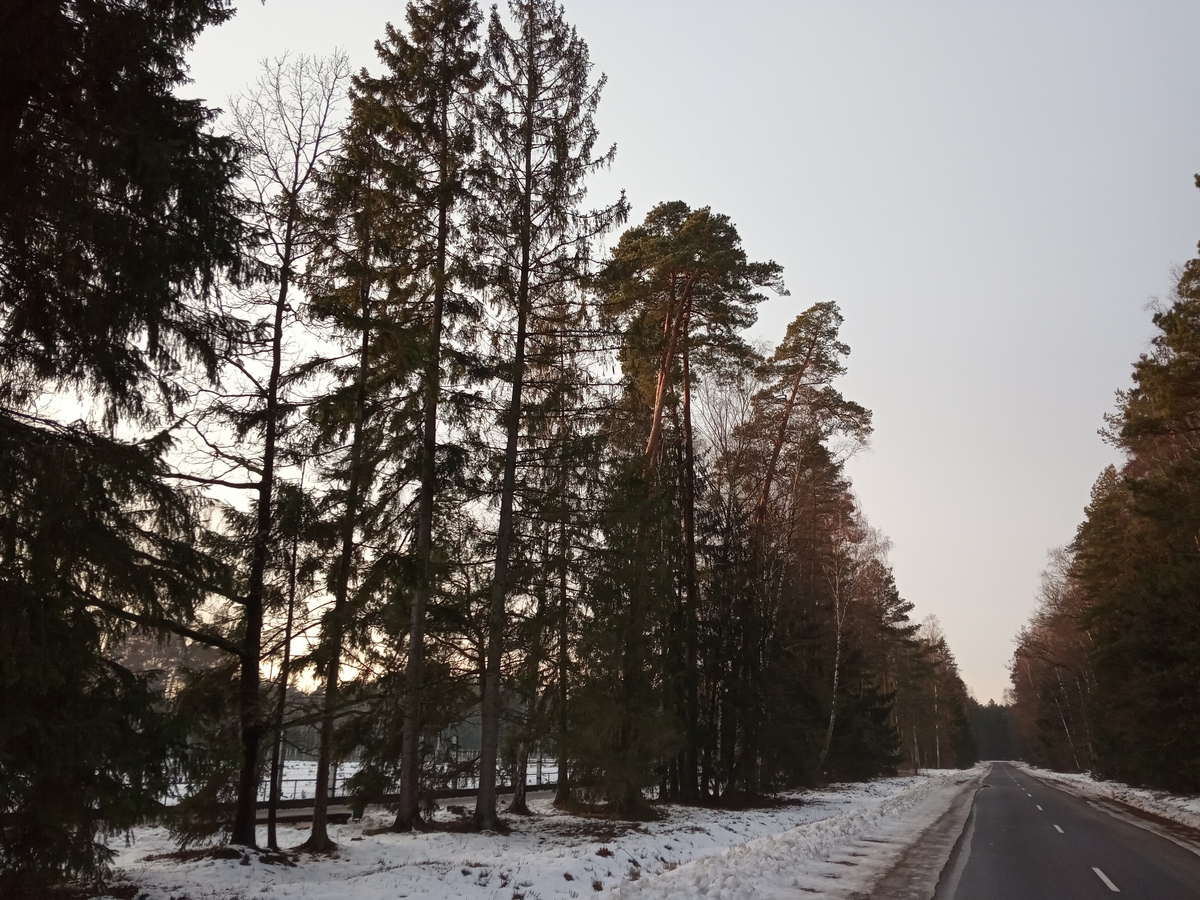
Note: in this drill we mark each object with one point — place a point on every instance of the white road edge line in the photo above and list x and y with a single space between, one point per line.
1059 830
1120 816
1107 881
1097 802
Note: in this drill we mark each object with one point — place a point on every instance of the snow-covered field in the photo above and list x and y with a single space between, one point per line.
300 779
832 843
1184 810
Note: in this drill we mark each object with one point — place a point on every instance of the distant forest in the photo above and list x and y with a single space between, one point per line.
350 408
1106 676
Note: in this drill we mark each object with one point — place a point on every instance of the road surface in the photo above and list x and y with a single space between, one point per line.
1027 841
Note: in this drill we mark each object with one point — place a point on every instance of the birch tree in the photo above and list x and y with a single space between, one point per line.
288 124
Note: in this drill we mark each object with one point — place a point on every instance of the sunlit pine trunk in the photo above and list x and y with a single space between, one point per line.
937 731
1063 718
675 319
631 638
689 768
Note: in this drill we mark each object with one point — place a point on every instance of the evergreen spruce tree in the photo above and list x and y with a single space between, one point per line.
422 112
117 218
299 536
537 151
565 415
354 282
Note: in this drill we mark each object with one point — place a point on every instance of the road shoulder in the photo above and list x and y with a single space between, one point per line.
916 874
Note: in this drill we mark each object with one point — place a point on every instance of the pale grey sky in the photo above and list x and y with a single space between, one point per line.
990 191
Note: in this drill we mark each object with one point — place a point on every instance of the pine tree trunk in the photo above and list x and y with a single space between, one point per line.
630 800
937 732
672 325
833 703
689 762
1087 730
1062 717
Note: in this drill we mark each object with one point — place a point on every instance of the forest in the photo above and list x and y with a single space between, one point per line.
1105 673
350 407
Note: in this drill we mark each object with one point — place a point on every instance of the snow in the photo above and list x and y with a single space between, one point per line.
830 843
300 779
1184 810
298 782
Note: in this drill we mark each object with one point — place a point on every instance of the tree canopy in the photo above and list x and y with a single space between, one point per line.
382 405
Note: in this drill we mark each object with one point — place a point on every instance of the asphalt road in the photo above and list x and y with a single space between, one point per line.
1027 841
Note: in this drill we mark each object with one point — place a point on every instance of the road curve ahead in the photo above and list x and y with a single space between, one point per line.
1027 841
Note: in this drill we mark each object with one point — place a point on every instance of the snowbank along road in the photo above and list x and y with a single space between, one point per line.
850 841
996 831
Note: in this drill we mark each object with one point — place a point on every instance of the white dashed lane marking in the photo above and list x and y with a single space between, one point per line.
1107 881
1059 830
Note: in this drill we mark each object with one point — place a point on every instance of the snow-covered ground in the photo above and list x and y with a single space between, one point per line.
1184 810
832 843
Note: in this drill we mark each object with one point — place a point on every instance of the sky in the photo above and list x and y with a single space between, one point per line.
992 193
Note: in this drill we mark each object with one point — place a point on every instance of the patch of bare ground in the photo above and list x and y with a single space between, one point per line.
461 824
224 851
600 830
599 809
118 889
739 802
